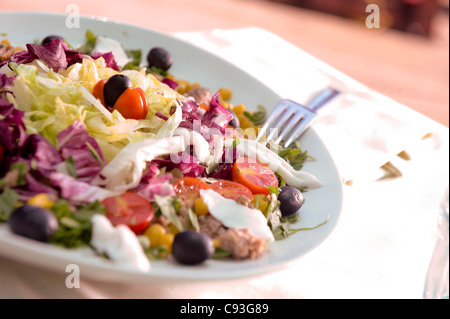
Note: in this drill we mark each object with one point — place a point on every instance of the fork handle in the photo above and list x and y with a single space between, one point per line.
322 98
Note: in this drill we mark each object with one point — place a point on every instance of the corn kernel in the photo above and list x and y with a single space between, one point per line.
183 86
245 123
239 109
226 105
173 229
154 233
225 93
166 240
216 242
260 202
200 207
41 200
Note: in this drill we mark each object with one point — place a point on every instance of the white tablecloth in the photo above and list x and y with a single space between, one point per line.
382 244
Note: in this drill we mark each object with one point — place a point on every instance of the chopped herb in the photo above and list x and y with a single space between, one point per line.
278 226
135 56
74 223
293 231
155 253
89 44
8 202
257 117
293 155
274 190
281 181
220 253
236 142
156 70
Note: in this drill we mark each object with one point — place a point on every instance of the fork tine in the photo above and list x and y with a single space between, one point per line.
289 112
270 119
289 125
295 134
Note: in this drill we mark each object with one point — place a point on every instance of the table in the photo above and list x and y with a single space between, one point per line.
383 242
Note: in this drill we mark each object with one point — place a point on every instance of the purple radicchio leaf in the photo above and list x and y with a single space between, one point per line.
217 113
6 81
41 159
21 57
171 83
52 53
43 156
223 171
78 192
74 56
153 183
187 164
75 142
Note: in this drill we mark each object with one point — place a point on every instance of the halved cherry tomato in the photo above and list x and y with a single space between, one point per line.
130 209
97 91
132 104
188 188
231 190
254 175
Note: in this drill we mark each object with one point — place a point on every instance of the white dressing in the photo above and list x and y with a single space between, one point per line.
234 215
259 152
119 243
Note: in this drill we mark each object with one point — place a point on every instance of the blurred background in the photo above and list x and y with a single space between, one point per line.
406 58
413 16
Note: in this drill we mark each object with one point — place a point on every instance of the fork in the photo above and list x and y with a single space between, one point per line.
289 119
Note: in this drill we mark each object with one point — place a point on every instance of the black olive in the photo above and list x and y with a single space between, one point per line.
235 120
291 200
114 87
49 38
33 222
191 247
159 58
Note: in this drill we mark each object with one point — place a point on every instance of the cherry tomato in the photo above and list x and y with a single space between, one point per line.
97 91
132 104
231 190
188 188
254 175
130 209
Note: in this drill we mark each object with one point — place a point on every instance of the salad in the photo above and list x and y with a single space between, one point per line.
99 149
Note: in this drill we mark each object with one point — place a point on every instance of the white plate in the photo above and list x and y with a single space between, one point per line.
194 64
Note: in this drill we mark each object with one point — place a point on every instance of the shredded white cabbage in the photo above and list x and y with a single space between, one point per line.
125 171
